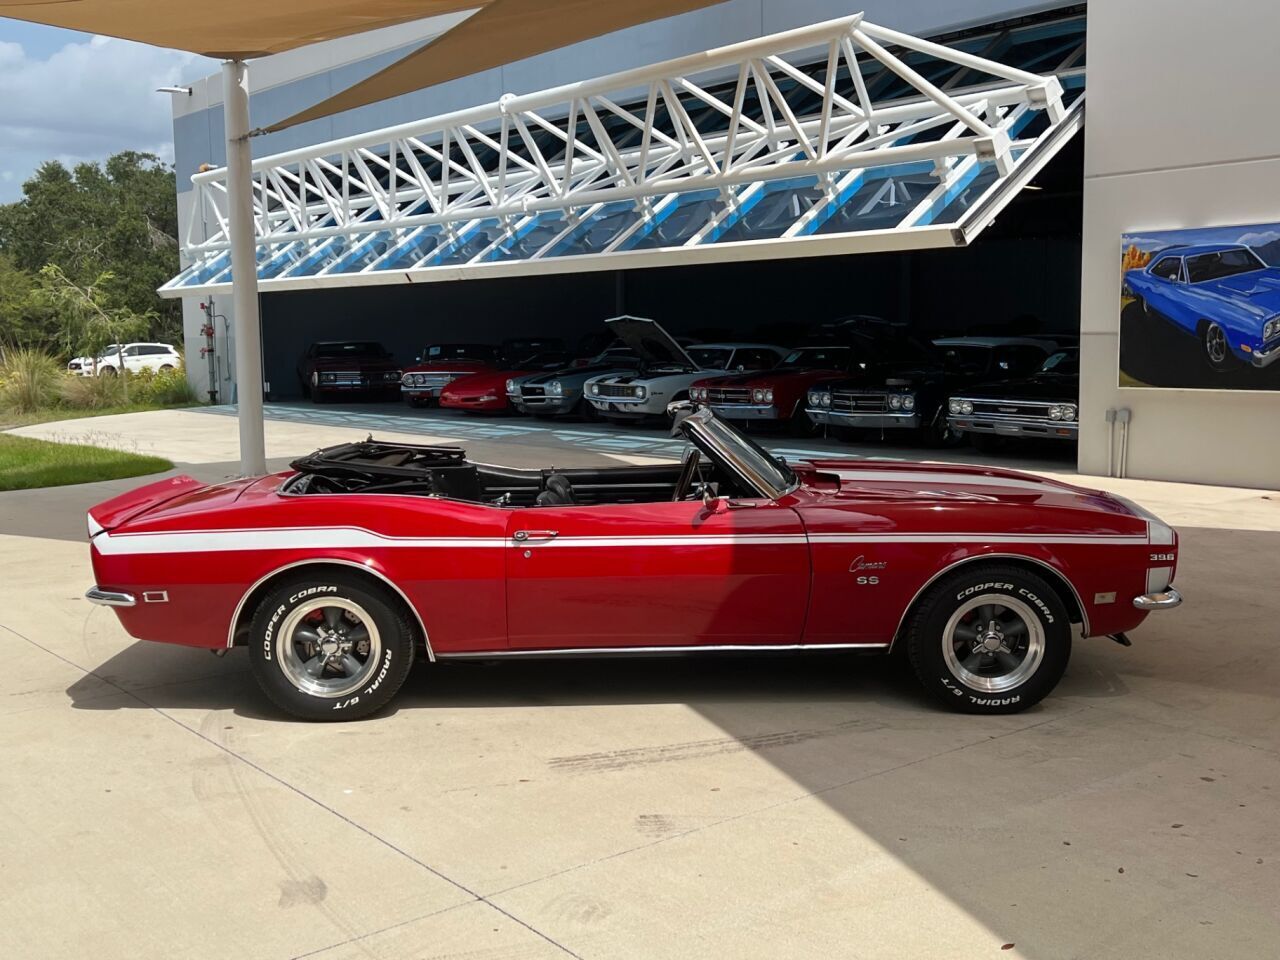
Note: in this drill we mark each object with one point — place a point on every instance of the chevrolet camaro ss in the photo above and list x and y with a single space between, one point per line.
335 575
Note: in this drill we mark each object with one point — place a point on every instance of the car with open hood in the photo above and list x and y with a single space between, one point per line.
352 368
560 392
1222 294
1044 405
331 578
910 380
486 392
667 369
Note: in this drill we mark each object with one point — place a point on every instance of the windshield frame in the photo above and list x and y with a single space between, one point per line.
728 447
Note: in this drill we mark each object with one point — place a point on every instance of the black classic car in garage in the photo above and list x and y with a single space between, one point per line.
1044 405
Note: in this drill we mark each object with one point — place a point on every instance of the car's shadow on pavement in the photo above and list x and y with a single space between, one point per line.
153 676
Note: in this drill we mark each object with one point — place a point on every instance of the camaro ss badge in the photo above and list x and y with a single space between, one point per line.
861 565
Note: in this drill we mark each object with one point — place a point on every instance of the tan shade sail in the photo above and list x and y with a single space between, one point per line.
230 29
502 32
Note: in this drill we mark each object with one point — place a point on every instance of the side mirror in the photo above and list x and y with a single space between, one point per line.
710 502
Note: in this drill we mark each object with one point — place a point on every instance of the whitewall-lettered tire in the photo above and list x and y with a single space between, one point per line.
989 638
331 646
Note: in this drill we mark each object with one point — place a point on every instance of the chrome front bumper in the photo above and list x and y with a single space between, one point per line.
109 598
871 421
745 411
1016 426
1264 358
1166 599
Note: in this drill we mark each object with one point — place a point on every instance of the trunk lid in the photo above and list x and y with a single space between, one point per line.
176 495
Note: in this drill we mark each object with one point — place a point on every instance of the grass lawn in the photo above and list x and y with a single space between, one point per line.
27 463
9 419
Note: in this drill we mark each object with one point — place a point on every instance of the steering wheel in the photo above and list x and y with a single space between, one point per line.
688 470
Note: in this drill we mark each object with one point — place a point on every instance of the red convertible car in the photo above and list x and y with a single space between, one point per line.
337 574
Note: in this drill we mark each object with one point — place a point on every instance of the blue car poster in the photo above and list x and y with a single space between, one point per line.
1200 308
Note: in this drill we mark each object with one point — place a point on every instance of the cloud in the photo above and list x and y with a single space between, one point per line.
85 101
1260 238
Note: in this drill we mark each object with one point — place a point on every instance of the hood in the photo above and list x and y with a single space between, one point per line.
355 363
940 484
485 380
651 343
1261 289
1055 388
584 373
450 366
770 378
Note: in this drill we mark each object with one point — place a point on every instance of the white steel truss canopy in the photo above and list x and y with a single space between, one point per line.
841 137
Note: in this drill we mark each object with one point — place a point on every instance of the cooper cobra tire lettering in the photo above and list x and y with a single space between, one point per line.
982 587
377 681
311 592
1044 608
271 626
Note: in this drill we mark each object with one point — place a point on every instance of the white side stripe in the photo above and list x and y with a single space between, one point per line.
322 538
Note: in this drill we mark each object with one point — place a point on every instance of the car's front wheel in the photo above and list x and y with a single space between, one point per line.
989 639
1216 349
331 646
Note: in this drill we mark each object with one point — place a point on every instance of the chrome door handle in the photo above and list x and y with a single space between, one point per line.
525 536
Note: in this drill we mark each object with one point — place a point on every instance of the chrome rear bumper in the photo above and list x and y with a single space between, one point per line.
109 598
1166 599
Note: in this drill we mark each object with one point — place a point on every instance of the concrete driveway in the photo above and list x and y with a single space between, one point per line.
155 806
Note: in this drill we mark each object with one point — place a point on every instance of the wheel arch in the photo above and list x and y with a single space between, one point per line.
1067 591
249 601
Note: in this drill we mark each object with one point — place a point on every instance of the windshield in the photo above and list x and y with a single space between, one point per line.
710 358
1066 362
356 348
738 453
1224 263
817 358
459 351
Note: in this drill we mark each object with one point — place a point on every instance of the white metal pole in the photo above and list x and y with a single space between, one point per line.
244 269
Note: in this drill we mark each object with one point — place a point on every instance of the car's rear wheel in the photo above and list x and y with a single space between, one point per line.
106 371
1216 349
989 639
331 646
166 367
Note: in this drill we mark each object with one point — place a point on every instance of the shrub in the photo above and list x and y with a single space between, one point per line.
29 380
92 393
161 388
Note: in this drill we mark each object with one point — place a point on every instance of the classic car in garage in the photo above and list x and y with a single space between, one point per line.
1222 294
776 395
907 384
442 363
560 393
335 575
333 368
486 392
667 369
1044 405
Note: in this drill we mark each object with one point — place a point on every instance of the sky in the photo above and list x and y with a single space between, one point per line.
1253 235
72 97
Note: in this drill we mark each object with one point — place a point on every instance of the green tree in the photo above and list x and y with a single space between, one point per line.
118 218
89 319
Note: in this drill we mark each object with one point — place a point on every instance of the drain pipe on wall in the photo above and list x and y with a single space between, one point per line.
1118 466
1122 417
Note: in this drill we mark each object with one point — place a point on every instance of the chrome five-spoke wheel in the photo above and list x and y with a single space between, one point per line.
993 643
329 647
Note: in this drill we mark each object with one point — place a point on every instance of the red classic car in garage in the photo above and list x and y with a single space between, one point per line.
777 395
333 368
487 391
338 573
